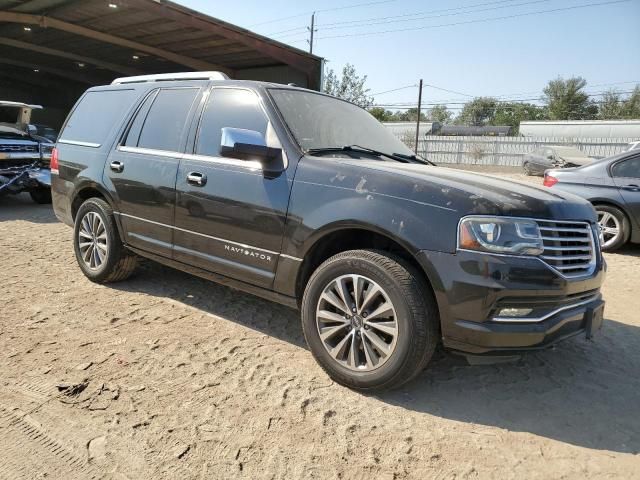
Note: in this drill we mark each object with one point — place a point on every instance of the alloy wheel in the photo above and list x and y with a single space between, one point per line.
92 240
610 228
357 323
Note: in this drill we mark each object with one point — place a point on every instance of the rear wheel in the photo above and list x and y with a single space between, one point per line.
614 225
369 319
526 167
41 195
99 251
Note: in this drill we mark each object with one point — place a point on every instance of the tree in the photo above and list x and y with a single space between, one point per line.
350 87
512 113
478 112
611 106
381 114
440 114
566 100
631 106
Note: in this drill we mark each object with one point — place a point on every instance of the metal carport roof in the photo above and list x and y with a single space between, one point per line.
62 43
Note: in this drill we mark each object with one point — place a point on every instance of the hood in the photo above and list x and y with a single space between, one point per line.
576 160
471 193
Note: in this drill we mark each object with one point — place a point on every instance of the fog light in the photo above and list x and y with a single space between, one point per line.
514 312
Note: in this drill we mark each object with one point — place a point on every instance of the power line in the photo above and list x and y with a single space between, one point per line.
449 91
291 32
388 20
395 90
418 13
345 7
483 20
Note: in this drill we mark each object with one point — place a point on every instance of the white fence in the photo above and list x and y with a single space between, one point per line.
508 151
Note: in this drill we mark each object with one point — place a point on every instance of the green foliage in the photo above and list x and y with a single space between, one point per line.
512 113
381 114
440 114
350 86
566 100
478 112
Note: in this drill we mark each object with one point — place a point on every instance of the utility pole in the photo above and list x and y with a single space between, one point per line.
312 30
419 111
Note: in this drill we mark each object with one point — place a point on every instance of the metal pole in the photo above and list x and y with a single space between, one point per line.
312 30
419 111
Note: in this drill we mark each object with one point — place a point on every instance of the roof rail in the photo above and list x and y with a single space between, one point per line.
166 77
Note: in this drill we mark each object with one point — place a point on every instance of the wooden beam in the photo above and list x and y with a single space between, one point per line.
76 77
71 56
48 22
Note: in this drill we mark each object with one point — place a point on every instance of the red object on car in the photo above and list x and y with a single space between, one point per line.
549 181
53 163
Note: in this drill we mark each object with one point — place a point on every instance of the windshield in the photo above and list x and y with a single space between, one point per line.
319 121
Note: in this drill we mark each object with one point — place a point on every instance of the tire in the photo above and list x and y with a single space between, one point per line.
527 169
41 195
413 312
116 263
616 219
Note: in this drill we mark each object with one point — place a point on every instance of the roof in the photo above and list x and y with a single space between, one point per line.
94 41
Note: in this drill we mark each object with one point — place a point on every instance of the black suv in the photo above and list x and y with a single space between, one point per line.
307 200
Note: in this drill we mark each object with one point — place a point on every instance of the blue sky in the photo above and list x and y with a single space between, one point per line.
515 56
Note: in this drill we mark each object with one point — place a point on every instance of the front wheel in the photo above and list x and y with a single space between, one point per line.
99 251
370 320
526 168
614 225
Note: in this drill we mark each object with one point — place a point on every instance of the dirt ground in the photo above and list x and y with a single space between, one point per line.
187 379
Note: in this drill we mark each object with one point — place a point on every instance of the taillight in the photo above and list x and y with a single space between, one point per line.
549 181
53 164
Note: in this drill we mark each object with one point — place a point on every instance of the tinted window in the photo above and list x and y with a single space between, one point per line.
167 119
228 107
96 115
133 136
627 168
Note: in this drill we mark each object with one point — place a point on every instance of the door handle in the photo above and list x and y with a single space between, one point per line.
196 178
632 187
117 166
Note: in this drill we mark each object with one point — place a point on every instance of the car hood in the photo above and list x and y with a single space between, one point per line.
474 193
576 160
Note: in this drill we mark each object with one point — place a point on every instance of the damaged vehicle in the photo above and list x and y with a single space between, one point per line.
24 155
307 200
544 158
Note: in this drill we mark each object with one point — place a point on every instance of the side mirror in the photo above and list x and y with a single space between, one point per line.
32 129
549 157
247 145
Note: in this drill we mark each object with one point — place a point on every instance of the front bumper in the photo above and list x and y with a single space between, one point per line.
471 289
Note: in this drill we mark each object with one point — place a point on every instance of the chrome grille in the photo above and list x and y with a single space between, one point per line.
569 247
11 148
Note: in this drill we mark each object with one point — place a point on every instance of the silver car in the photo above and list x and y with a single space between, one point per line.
544 158
612 185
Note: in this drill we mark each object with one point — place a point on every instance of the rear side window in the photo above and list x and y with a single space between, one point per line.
165 121
628 168
232 108
96 115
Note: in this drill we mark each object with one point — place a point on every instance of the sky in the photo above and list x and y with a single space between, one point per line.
453 45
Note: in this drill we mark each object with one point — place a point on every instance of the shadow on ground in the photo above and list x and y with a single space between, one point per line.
583 393
21 207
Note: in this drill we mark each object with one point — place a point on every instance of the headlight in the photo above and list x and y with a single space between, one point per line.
510 236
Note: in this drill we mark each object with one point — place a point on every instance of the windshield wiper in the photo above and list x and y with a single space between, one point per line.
359 149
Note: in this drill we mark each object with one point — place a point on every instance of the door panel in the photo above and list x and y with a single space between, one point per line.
233 220
626 175
145 196
142 169
233 224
